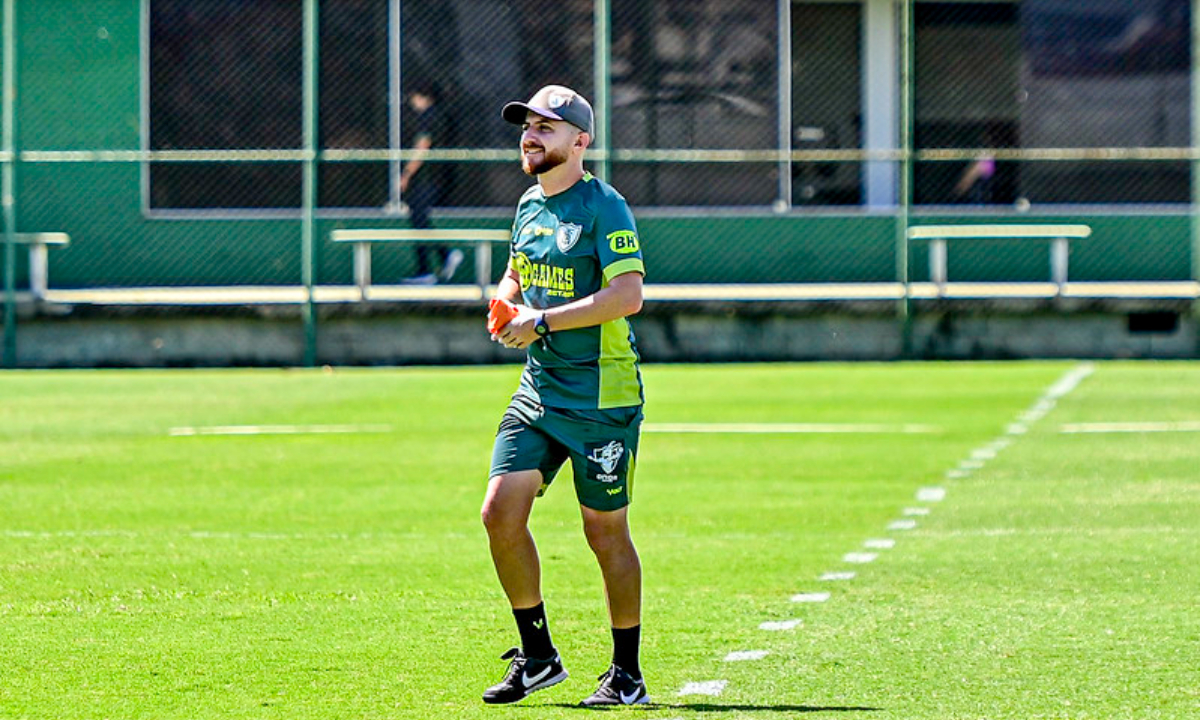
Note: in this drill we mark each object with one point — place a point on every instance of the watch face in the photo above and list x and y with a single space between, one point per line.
541 328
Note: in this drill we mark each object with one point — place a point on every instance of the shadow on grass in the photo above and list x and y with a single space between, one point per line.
710 707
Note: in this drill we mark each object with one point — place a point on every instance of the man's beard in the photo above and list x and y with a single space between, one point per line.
550 160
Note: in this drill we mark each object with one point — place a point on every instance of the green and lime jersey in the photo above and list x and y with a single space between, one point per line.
566 247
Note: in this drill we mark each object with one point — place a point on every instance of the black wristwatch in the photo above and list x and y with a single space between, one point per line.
540 327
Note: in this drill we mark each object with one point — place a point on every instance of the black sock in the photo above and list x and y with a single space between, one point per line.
625 650
535 633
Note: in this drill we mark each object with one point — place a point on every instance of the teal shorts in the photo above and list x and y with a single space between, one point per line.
601 444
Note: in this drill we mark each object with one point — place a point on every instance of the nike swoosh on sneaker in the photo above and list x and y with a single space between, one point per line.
628 699
531 680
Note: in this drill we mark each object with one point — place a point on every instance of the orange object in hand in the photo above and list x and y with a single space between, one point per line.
500 313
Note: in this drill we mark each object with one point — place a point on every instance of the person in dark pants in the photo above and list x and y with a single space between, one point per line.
423 184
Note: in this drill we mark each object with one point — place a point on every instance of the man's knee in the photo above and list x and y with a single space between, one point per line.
508 501
606 531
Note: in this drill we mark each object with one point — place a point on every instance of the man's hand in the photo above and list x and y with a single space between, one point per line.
519 332
500 312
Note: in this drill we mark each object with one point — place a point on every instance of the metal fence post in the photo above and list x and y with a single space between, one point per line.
8 191
1195 142
308 251
602 41
904 201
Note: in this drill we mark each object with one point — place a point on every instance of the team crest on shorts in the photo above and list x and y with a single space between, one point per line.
608 457
568 235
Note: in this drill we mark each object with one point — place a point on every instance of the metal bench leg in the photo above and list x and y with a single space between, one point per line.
937 264
39 265
1059 254
362 267
483 265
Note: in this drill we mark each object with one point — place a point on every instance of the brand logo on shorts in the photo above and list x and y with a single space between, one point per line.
608 456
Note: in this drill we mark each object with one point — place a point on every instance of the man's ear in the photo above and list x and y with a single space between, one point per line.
583 140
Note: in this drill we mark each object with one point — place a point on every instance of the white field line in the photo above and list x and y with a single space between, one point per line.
790 428
745 655
194 535
837 576
813 597
187 431
1040 408
859 558
1131 427
708 687
932 494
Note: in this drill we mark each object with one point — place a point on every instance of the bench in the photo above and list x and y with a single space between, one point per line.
1058 235
480 240
39 259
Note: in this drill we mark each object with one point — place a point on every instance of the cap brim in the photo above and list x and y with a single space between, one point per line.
515 113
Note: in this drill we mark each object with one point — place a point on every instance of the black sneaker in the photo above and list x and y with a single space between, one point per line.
525 676
618 687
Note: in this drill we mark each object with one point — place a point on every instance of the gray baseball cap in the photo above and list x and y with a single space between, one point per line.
556 103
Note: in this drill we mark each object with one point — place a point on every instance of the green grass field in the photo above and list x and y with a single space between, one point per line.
151 575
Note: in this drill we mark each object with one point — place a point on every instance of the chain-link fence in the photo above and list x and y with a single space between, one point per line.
758 141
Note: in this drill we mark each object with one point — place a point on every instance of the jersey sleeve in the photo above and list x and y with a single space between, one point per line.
617 242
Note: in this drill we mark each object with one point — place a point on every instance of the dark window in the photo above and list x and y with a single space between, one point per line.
695 75
227 75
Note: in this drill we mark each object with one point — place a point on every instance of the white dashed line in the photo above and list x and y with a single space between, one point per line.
902 525
837 576
880 544
779 625
744 655
931 494
708 687
277 430
859 558
816 597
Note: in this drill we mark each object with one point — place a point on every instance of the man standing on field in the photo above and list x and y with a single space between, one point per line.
575 273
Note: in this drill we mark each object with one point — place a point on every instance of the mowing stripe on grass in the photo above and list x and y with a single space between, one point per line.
790 428
277 430
1130 427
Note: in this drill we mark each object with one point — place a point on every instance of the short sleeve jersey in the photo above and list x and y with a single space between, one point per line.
565 247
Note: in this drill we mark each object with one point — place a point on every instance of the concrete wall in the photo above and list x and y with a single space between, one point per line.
167 338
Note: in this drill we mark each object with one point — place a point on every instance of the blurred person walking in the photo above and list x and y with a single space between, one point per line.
423 184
